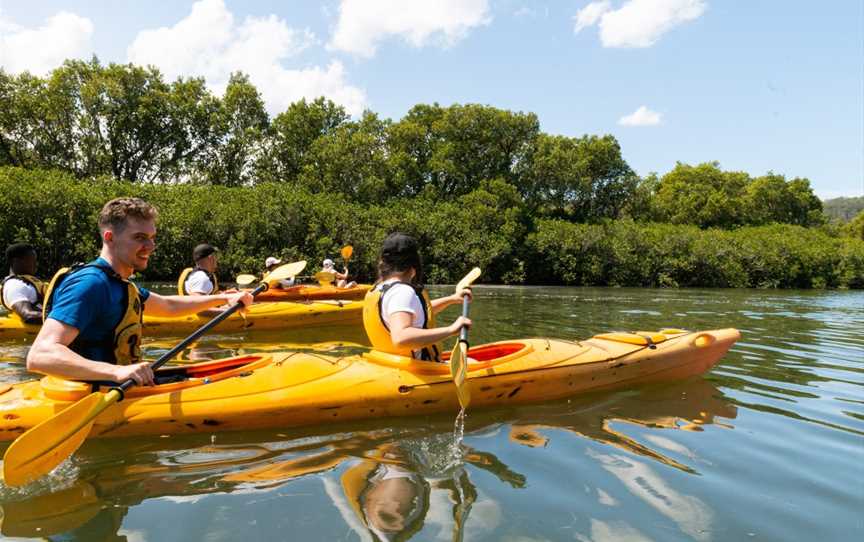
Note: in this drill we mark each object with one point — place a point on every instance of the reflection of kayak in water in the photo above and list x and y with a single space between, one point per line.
188 468
284 389
261 316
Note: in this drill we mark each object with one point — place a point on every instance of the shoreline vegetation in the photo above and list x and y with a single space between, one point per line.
475 184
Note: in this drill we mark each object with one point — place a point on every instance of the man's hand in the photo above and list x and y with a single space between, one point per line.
141 373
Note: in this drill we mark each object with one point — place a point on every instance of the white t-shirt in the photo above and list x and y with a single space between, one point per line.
402 298
199 283
16 290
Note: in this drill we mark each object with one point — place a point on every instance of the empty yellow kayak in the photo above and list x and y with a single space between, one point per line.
261 316
283 389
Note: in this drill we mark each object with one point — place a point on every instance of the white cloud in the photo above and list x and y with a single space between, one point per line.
638 23
40 50
363 23
590 14
210 43
641 117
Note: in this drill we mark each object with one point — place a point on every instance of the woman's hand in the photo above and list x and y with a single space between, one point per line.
458 324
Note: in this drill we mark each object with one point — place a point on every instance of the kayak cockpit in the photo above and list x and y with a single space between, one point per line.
168 380
479 357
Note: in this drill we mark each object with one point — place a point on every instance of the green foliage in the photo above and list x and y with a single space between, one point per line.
855 227
489 227
581 179
711 198
624 253
843 209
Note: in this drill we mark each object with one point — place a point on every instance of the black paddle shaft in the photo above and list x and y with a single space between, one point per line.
163 359
463 333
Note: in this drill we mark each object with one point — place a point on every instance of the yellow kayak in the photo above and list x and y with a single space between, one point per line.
285 388
313 292
261 316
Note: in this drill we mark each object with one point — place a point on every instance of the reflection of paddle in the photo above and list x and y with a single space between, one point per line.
459 356
296 268
46 445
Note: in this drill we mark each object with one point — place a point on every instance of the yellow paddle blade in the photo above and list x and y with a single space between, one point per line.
44 446
325 278
459 370
284 272
347 251
468 279
245 280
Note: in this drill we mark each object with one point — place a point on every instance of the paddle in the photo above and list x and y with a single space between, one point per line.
459 356
296 268
346 252
46 445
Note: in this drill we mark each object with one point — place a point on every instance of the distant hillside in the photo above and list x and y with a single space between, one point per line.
843 208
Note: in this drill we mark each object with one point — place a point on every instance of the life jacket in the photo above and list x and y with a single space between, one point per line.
36 283
126 344
379 333
181 282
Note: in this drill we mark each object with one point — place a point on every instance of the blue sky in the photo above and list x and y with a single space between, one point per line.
757 85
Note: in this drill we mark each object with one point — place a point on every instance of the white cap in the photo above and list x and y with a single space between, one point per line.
328 263
271 261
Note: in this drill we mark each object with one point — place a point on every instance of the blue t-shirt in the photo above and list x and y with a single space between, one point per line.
93 303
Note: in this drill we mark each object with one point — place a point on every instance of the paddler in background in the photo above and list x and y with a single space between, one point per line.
21 292
340 280
271 263
94 314
398 315
201 279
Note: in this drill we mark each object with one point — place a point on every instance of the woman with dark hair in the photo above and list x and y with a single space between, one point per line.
398 314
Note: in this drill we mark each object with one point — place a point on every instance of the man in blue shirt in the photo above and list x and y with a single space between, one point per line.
92 328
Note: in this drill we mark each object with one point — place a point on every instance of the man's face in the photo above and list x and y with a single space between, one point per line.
25 265
134 244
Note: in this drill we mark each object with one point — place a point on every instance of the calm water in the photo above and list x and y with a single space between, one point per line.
767 446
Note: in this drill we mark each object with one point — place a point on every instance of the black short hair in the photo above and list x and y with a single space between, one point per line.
19 250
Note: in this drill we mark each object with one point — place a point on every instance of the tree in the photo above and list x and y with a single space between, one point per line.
239 126
472 143
771 198
580 179
292 134
351 160
703 195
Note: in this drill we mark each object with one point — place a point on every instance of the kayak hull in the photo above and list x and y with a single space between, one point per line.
313 292
288 389
261 316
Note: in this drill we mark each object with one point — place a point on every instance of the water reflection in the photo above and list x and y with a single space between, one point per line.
386 483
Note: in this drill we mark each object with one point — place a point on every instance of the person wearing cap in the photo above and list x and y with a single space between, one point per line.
272 263
201 279
21 292
94 314
341 279
398 315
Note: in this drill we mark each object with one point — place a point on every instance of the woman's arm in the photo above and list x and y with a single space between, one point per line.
404 335
442 303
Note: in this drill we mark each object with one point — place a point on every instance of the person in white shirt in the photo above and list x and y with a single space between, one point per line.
21 292
341 278
398 315
272 263
201 280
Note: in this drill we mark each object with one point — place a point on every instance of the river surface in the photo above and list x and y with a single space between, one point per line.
769 445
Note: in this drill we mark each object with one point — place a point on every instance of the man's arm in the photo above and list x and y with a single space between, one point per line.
182 305
50 354
28 312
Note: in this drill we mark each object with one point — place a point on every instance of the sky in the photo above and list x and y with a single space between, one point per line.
757 85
